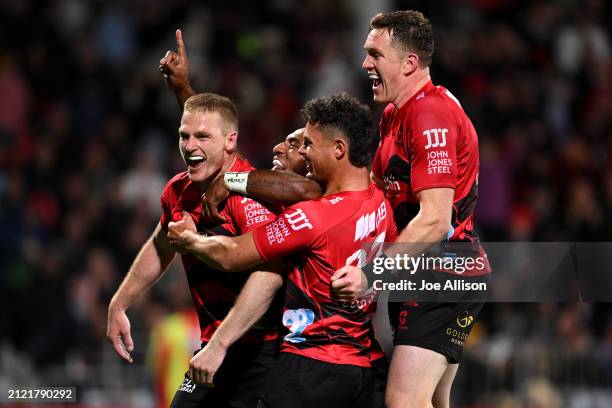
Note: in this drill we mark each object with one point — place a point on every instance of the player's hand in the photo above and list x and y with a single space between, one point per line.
205 364
174 67
215 194
118 332
180 233
349 283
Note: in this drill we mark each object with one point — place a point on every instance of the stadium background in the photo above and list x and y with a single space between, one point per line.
88 139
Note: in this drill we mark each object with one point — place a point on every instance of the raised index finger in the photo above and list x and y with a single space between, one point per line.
180 44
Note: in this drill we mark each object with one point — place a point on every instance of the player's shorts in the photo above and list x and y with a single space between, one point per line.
238 382
441 326
380 369
300 382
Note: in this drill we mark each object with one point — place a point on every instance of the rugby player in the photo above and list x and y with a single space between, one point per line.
207 140
325 358
427 162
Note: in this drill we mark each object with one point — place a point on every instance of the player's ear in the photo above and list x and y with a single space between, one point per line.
410 63
340 148
231 141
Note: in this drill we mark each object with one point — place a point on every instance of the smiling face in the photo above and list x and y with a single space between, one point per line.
286 155
206 142
384 65
318 153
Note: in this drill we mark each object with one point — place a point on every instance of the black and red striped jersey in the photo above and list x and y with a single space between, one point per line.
214 292
346 228
430 142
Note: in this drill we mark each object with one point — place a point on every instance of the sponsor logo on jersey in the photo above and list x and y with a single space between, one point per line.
298 220
368 223
296 320
435 138
335 200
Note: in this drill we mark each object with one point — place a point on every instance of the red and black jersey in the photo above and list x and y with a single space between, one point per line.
213 291
347 228
427 143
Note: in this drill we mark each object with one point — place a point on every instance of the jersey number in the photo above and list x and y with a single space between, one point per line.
361 255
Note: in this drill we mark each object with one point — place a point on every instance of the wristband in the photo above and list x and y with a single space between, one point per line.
236 181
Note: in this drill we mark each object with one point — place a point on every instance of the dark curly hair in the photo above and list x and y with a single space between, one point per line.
344 113
410 30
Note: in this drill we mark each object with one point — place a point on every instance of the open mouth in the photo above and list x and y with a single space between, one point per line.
278 165
194 161
308 167
376 81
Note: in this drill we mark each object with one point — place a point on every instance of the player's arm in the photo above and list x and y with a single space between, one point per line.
267 242
174 67
253 301
147 268
274 187
277 187
433 221
229 254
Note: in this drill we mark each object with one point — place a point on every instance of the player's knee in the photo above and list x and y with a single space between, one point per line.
441 402
441 398
395 399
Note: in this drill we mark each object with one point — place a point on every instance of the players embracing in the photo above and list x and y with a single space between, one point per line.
324 359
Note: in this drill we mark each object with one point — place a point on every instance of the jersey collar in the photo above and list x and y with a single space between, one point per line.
419 94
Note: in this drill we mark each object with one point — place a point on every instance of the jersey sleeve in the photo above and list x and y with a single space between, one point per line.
293 230
166 206
247 214
433 142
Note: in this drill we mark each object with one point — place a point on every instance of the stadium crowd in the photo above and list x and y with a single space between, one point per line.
88 140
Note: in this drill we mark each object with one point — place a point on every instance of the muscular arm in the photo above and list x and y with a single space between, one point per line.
229 254
253 301
273 187
432 223
147 268
282 187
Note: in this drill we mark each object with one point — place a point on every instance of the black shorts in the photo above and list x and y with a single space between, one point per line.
300 382
380 369
238 382
441 326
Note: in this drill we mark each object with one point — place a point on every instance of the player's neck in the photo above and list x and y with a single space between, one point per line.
418 81
349 179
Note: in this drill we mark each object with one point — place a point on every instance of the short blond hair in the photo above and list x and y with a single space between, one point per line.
210 102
